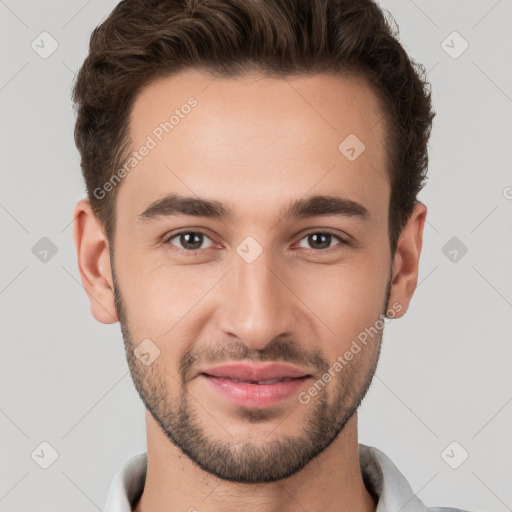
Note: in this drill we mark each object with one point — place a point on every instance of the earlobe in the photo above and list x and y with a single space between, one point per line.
93 256
406 260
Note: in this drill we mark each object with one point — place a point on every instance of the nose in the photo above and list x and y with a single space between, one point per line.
257 303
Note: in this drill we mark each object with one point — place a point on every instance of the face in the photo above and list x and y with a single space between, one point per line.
196 287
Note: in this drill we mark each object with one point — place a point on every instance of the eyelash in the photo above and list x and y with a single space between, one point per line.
193 252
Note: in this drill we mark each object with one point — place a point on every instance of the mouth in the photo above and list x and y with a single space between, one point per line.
256 373
258 382
255 386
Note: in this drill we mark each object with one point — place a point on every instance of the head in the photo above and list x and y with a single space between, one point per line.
290 140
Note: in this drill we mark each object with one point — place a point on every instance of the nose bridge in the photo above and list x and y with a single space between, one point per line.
257 306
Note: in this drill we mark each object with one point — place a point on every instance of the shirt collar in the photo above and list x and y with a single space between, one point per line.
127 485
381 477
385 481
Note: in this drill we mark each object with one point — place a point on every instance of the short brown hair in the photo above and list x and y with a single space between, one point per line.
142 40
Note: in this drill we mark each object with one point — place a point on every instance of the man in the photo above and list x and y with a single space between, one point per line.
252 222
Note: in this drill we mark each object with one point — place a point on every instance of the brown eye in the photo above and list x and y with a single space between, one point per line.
188 240
321 240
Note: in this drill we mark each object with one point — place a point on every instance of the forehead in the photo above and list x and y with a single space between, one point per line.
257 138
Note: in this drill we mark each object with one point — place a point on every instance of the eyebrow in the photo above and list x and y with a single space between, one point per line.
177 205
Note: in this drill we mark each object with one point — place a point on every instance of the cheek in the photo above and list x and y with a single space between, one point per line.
346 299
161 299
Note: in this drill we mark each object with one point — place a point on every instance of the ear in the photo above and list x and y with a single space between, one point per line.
406 260
94 262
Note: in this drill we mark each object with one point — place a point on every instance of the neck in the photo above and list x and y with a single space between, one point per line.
332 481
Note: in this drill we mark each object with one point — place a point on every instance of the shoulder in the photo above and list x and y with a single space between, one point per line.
391 488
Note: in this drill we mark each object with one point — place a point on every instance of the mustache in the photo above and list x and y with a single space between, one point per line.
278 350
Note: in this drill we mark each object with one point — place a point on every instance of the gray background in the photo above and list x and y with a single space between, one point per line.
445 371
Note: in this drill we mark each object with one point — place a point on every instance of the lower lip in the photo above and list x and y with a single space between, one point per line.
256 396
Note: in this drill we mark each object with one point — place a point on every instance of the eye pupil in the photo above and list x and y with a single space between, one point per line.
325 236
185 240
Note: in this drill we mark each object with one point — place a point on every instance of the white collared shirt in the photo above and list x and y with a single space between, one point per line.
380 476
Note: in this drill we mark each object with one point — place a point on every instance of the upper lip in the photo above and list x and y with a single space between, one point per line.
251 372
